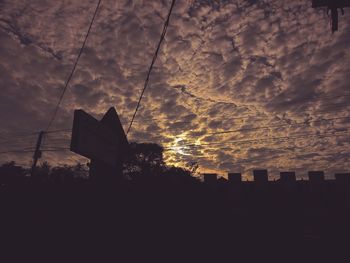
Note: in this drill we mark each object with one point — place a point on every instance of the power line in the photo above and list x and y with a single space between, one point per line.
18 136
17 151
73 69
302 135
55 149
50 141
229 118
21 137
56 131
277 126
152 63
277 156
248 106
332 97
16 141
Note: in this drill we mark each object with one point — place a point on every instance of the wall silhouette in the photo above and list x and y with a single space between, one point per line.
174 217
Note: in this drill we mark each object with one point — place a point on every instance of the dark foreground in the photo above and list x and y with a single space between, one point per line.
166 220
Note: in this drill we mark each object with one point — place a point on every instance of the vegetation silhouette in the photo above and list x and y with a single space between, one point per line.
146 159
159 213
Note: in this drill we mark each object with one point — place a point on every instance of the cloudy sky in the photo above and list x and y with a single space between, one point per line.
238 84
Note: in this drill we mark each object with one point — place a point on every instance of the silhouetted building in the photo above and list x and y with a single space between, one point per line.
260 176
222 183
316 177
287 177
234 178
342 178
210 178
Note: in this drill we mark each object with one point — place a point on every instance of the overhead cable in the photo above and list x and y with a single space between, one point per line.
73 69
152 63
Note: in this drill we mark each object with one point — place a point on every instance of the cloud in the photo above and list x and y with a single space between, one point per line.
223 66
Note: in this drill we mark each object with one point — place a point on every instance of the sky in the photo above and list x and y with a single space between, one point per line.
237 85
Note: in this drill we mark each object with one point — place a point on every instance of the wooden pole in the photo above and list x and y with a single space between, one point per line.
37 153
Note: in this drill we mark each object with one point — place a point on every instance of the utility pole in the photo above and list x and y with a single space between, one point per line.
37 153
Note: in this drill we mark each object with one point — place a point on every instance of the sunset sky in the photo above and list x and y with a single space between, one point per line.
237 84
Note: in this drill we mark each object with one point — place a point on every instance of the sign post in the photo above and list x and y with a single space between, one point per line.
104 142
332 6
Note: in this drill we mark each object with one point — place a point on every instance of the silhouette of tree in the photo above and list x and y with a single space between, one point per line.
10 173
42 172
145 158
180 175
193 167
68 173
62 174
80 171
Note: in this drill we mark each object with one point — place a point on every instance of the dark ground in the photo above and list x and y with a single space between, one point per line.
167 219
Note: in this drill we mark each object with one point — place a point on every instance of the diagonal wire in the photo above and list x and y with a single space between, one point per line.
73 69
152 63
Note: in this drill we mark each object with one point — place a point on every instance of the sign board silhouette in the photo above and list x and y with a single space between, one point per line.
332 6
103 141
330 3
